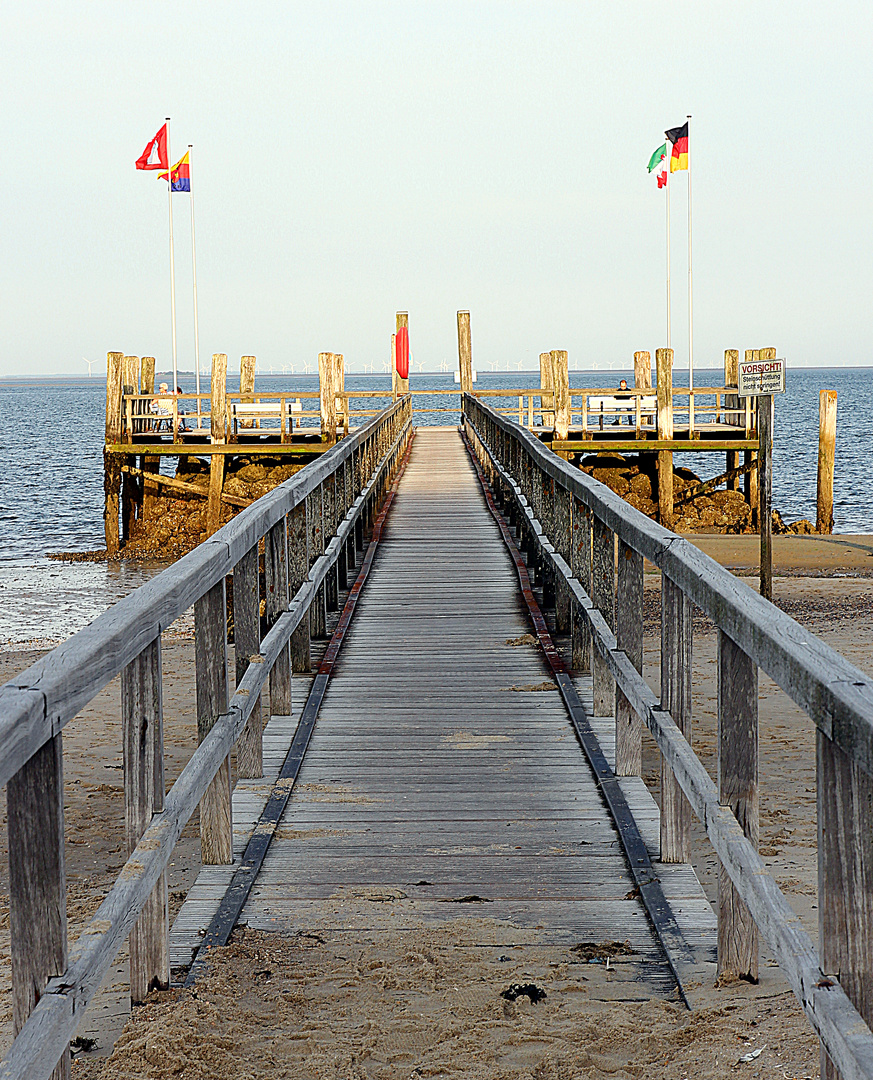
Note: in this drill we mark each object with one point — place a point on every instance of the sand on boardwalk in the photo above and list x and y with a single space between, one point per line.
416 1001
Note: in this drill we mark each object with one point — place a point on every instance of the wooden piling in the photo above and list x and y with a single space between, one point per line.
750 480
327 388
402 319
218 435
547 397
765 483
643 370
465 352
731 402
112 462
37 882
143 757
738 789
151 463
827 445
664 377
339 384
561 387
247 384
129 484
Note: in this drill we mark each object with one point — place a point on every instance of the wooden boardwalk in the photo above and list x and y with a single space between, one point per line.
443 766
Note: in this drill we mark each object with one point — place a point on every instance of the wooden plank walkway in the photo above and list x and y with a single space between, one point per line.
442 766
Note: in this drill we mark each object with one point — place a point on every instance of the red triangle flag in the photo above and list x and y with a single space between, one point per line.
402 348
155 154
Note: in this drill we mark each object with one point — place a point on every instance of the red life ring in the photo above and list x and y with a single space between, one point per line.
402 351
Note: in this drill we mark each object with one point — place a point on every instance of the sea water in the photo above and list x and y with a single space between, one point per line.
51 475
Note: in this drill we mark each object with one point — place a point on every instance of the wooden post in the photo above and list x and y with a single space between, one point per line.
402 319
247 383
276 581
218 436
581 564
327 388
561 386
143 754
737 789
827 445
210 661
563 541
643 370
151 463
664 373
129 485
246 644
676 638
298 572
629 638
112 462
603 585
465 352
731 401
339 383
331 590
315 522
765 483
547 397
750 479
130 374
845 877
37 882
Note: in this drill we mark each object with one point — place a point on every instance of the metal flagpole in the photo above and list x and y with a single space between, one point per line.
194 265
668 185
690 318
172 255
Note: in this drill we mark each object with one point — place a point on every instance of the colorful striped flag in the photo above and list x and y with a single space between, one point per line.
679 138
155 154
180 173
658 161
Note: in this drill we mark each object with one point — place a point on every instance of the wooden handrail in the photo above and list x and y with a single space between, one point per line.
752 634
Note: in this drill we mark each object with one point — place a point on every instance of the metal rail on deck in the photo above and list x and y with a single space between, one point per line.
310 527
569 524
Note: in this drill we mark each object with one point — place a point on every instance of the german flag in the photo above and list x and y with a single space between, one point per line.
679 138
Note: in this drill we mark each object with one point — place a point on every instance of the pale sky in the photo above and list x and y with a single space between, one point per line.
353 159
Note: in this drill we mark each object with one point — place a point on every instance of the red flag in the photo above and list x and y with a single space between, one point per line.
402 348
155 154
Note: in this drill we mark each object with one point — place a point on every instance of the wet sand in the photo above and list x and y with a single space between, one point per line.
415 1003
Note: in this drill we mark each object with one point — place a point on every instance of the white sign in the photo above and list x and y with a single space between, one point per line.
759 377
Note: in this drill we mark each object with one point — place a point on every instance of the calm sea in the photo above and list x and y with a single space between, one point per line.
51 477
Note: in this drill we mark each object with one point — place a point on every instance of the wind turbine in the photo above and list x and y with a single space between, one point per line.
444 366
386 366
519 364
420 365
271 369
90 364
307 368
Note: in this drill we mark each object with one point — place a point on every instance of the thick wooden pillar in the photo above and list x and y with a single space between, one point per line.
402 319
827 445
298 572
37 882
547 398
676 641
664 371
643 370
276 581
561 388
210 660
737 789
247 643
327 389
247 366
465 352
143 753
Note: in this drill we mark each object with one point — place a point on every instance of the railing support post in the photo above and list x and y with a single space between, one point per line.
37 882
629 638
737 789
676 639
315 521
298 572
247 643
603 584
143 753
276 581
210 659
581 565
563 503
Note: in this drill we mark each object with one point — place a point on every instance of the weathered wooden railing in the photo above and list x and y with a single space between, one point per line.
568 525
310 528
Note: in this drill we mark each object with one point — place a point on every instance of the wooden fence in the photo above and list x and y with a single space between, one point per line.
568 525
308 530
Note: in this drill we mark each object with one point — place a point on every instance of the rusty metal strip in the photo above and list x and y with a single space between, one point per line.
679 955
237 892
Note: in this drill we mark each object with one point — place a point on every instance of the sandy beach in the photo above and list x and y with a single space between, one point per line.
408 1002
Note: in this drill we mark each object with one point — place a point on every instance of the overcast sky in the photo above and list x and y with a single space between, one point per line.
353 159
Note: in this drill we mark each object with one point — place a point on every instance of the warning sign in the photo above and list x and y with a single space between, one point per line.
758 377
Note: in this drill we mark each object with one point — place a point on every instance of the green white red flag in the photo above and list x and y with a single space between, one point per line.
658 165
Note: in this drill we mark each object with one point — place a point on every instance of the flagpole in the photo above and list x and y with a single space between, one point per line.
172 256
194 265
690 315
667 185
